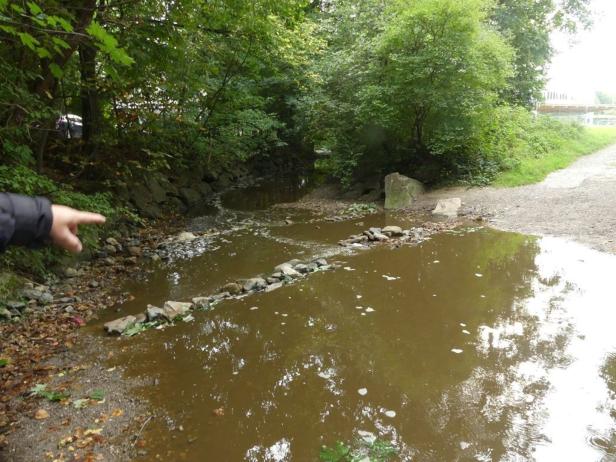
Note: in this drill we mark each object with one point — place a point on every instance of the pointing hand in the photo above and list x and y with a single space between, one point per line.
64 226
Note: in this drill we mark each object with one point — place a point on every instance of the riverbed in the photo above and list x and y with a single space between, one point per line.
474 344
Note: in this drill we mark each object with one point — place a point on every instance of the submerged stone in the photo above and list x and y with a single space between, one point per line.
301 268
233 288
174 309
201 302
140 318
255 284
287 270
154 313
118 326
392 231
380 237
276 285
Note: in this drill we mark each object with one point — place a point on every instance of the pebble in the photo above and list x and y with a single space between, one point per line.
363 391
135 251
456 351
41 414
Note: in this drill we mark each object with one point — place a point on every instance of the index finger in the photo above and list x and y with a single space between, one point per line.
86 218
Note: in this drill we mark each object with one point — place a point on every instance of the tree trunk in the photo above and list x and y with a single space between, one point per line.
46 86
90 107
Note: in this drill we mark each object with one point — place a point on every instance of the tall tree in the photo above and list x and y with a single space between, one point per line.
527 25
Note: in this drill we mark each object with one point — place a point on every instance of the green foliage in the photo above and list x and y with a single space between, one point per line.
562 144
527 25
40 390
408 90
97 395
429 87
375 450
108 44
602 97
139 327
9 285
360 209
81 403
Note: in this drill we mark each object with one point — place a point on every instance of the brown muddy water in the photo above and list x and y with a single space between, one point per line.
475 345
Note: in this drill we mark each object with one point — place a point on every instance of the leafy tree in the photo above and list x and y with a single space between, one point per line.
527 25
411 90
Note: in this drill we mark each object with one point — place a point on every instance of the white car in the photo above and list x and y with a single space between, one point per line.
69 126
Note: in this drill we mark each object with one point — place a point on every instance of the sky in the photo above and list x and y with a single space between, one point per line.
586 63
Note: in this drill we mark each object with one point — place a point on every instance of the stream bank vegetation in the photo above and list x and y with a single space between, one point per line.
105 102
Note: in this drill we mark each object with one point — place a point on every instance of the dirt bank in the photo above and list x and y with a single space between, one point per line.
85 411
576 203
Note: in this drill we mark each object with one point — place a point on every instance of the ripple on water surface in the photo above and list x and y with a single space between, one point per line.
411 347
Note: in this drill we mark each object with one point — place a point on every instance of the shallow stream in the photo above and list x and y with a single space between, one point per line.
475 345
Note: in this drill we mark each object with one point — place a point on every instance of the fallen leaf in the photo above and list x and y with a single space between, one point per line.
64 441
41 414
77 320
81 403
117 413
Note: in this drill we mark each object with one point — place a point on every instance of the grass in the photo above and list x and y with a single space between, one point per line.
534 169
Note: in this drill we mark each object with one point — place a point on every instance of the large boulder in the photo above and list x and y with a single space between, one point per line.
204 189
401 191
223 182
448 207
190 197
158 193
142 198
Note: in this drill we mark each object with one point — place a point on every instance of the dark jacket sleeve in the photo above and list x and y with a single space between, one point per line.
24 220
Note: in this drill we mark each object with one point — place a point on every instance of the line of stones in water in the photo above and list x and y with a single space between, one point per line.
283 274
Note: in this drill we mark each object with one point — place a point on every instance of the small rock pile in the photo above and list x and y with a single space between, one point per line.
37 296
171 311
386 234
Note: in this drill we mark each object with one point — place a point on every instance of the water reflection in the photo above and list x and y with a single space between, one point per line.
477 346
266 194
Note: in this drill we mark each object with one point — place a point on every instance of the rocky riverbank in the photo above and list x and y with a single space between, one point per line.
42 350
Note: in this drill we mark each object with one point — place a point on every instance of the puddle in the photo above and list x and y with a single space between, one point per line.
411 348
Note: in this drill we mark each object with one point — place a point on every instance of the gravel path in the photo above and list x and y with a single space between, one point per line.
578 202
